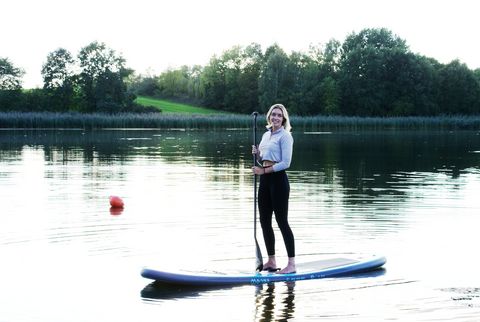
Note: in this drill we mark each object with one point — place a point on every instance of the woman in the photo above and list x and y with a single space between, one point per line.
274 153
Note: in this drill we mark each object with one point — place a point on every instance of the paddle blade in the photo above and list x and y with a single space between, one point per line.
259 259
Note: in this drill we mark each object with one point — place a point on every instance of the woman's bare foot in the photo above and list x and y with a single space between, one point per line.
270 265
291 268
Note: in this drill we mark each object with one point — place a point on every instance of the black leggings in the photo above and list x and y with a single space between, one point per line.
273 194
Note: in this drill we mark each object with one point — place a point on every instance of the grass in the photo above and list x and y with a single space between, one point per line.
172 107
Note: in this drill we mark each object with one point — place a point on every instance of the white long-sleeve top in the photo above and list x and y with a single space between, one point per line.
277 147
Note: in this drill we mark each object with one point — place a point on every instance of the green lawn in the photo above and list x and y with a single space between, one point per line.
171 107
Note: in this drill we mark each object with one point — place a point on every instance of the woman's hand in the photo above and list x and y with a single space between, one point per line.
258 170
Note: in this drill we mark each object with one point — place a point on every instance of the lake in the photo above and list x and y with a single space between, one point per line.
66 256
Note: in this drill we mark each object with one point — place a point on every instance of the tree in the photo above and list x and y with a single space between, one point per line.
242 69
410 86
316 90
58 69
459 90
365 71
330 96
173 83
230 82
143 85
273 77
10 76
195 83
10 85
213 83
476 73
251 66
232 61
59 80
300 84
102 79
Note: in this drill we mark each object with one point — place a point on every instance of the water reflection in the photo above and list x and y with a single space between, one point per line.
163 291
113 146
275 302
116 211
371 163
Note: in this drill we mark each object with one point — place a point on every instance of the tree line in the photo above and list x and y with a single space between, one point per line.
372 73
94 81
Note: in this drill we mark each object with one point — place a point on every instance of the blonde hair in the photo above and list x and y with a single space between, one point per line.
286 118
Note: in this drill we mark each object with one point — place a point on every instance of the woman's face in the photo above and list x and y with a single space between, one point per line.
276 118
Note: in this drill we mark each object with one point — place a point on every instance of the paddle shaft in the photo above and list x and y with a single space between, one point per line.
258 253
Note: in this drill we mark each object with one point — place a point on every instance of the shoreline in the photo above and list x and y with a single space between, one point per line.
154 121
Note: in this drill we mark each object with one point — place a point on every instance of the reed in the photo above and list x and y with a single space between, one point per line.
353 123
122 120
39 120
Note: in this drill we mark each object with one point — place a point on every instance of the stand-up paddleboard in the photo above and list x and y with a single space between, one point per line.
333 267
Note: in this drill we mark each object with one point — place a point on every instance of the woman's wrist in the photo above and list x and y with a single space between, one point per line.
265 169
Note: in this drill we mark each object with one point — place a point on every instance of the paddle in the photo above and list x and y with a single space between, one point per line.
258 253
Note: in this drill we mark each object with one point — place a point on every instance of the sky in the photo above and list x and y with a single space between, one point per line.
154 35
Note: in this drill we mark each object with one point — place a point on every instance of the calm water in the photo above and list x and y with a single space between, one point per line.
411 196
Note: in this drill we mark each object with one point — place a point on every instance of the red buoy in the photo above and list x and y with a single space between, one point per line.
116 202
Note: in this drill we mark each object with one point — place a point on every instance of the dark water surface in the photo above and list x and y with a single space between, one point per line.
411 196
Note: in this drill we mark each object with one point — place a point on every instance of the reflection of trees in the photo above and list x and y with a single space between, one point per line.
222 149
215 148
366 163
275 302
377 163
162 291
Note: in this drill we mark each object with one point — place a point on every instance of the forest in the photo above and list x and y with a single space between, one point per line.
371 73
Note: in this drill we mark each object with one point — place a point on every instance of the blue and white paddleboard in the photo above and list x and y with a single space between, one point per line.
333 267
